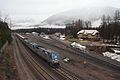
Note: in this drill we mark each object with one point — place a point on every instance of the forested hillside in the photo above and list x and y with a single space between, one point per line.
5 33
109 28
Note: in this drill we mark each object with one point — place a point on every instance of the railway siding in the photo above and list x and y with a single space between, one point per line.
96 58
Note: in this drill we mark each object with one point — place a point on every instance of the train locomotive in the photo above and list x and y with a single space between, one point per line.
48 55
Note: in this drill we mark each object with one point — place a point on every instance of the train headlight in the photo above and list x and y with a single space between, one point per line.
55 57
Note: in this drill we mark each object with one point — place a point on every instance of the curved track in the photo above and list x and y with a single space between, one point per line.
39 70
99 60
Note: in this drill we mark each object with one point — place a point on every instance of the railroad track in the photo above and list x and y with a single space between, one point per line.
88 57
64 73
21 67
67 74
41 73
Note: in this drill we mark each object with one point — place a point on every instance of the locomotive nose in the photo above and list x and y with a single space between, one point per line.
55 61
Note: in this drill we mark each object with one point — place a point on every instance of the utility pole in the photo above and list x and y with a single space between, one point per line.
84 60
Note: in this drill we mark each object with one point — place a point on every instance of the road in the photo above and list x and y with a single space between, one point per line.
91 71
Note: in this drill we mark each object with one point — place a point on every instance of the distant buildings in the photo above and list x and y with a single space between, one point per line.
58 34
92 35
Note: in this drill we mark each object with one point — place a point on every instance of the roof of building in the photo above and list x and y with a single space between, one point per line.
93 32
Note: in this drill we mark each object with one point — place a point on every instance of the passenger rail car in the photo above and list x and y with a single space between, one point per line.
21 37
48 55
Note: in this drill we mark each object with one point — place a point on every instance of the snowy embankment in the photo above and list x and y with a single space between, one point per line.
79 46
113 56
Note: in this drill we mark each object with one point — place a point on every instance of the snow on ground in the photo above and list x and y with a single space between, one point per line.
29 27
21 27
79 46
113 56
116 51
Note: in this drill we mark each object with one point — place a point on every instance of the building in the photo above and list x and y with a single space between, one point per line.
92 35
58 34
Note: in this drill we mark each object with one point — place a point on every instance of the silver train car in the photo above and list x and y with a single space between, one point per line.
48 55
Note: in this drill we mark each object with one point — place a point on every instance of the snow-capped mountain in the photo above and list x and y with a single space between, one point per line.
92 14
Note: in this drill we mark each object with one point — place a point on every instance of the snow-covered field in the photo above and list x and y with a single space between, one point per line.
25 26
79 46
113 56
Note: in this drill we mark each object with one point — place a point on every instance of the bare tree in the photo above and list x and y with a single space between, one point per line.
6 18
117 16
87 24
108 19
0 16
10 23
103 19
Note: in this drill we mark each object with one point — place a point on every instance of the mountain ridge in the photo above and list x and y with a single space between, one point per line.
91 13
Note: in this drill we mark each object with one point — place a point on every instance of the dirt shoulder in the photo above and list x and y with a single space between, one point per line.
8 69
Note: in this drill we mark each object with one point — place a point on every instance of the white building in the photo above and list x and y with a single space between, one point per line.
88 34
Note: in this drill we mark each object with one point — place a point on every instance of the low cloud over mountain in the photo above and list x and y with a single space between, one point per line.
92 14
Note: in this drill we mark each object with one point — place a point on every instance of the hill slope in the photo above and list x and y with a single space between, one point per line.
91 14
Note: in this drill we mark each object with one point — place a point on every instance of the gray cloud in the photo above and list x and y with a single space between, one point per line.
43 8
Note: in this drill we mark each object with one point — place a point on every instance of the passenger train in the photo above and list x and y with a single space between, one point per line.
48 55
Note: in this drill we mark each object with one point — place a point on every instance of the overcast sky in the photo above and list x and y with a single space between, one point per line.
41 9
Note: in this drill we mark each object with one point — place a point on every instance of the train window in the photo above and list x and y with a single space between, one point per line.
37 47
50 56
46 52
43 51
33 46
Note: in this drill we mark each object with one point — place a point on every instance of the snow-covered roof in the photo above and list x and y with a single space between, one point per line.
112 55
93 32
77 45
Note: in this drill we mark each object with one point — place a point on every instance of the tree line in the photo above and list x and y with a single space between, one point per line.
39 30
5 32
72 28
109 28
